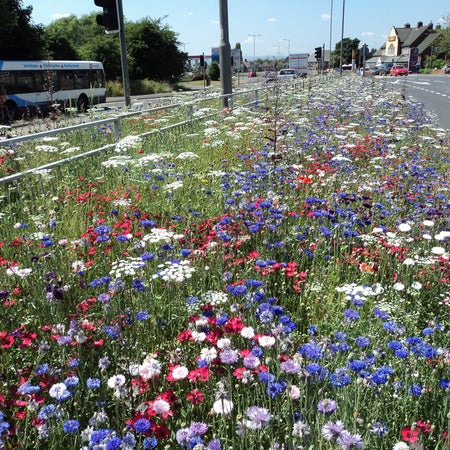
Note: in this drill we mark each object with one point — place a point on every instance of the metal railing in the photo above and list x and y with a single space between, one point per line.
23 188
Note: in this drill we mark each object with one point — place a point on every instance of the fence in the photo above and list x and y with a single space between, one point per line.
23 188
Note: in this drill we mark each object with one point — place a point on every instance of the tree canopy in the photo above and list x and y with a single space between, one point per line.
152 47
19 37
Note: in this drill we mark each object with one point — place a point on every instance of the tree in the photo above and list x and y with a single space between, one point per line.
153 51
214 71
348 45
443 40
19 38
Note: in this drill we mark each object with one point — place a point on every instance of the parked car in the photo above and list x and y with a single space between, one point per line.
287 74
270 77
385 68
398 70
252 74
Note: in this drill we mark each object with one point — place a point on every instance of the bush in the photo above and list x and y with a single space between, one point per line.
214 71
137 87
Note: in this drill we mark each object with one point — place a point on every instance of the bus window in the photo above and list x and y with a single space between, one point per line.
66 80
25 82
82 79
49 81
7 83
101 78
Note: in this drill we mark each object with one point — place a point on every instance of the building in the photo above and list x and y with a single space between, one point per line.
407 46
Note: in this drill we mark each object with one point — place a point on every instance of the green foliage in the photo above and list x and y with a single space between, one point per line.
443 40
153 51
214 71
348 45
19 38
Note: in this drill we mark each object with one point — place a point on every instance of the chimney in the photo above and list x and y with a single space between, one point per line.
419 24
407 25
430 26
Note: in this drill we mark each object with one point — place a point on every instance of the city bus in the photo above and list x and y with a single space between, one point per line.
36 86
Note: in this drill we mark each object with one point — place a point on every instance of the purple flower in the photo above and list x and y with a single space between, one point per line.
290 366
251 362
199 428
327 406
348 441
184 436
332 430
351 314
229 356
259 417
103 298
362 341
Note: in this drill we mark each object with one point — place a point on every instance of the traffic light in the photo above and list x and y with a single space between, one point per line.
110 17
318 52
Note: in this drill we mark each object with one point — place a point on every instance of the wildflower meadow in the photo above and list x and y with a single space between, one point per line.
274 276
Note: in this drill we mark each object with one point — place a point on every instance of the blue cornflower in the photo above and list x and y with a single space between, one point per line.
47 411
395 345
102 229
70 426
351 314
100 435
379 377
362 341
71 381
122 238
114 443
427 331
357 365
340 336
393 327
239 290
312 329
340 378
142 315
311 350
147 256
314 368
113 331
150 442
253 283
93 383
142 425
148 223
378 312
379 428
444 383
41 369
273 389
401 353
415 389
102 238
266 377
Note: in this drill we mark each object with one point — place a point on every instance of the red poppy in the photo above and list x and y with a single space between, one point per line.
408 434
195 396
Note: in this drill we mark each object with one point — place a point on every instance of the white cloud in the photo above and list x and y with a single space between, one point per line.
325 17
272 20
214 22
57 16
367 34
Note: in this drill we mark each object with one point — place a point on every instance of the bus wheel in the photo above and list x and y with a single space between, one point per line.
82 103
10 110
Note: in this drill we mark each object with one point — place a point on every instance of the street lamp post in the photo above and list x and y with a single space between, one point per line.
254 40
289 49
342 37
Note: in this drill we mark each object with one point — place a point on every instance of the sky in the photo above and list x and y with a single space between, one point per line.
265 28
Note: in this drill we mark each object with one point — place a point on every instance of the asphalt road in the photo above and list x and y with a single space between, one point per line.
431 90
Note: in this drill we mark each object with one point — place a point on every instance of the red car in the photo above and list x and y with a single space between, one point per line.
398 70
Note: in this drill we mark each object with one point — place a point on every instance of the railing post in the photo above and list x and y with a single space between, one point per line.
117 129
189 112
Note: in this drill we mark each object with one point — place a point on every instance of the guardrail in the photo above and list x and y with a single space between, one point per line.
27 185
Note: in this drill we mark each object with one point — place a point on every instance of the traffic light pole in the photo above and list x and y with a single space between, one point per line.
123 55
225 54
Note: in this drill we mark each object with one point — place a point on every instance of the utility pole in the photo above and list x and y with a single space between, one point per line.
123 55
225 53
342 38
254 46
